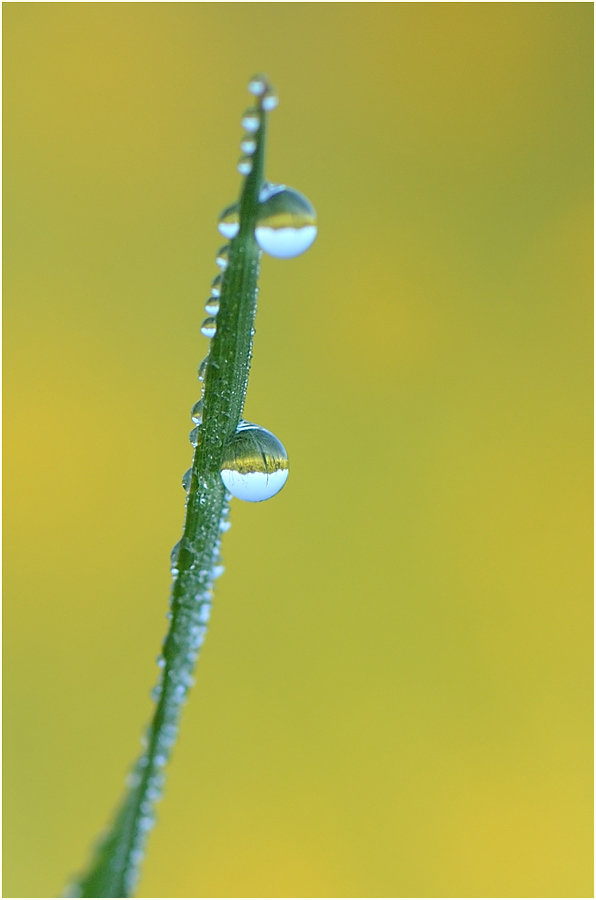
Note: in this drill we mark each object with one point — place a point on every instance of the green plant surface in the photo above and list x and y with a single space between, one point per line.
195 559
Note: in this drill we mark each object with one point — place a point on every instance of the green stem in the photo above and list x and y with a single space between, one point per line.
115 868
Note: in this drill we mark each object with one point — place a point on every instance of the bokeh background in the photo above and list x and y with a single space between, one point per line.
395 696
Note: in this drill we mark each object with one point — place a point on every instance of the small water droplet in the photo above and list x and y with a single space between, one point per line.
257 85
212 306
223 257
248 145
209 327
255 465
217 571
269 102
225 525
202 370
251 121
156 692
193 437
244 165
286 222
160 661
196 413
216 286
229 221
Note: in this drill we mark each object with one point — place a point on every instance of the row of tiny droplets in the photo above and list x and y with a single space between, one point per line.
197 619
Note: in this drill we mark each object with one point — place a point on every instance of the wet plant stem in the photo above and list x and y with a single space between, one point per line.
114 870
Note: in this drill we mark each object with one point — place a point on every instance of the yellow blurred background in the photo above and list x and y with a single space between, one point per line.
394 699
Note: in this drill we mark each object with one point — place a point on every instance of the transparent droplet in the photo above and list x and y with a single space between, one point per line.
193 437
186 479
225 525
229 221
216 286
257 85
217 571
209 327
250 120
286 222
223 257
248 145
269 102
212 306
202 370
196 413
244 165
255 465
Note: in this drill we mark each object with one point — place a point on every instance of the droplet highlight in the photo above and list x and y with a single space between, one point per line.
286 222
209 327
255 465
229 221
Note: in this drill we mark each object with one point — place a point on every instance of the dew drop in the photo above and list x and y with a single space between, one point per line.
196 413
202 370
286 222
248 145
257 85
187 478
216 286
193 437
250 120
269 102
212 306
209 327
229 221
223 257
255 465
244 165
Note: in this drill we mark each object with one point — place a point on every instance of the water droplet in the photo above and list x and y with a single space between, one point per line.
202 370
229 221
286 223
205 613
216 285
186 479
193 437
244 165
223 257
269 102
248 145
250 120
212 306
160 661
257 85
217 571
225 525
156 692
209 327
196 413
255 465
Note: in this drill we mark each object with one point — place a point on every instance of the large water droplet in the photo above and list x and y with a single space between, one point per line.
223 257
257 85
269 102
196 413
209 327
244 165
255 465
248 145
229 221
286 222
212 306
250 120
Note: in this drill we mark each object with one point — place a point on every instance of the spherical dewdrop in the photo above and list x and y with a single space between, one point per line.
255 465
286 222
